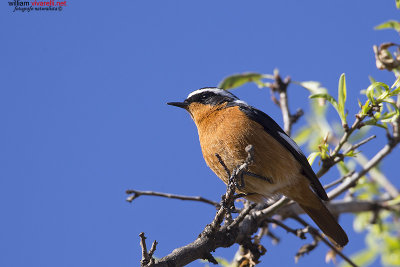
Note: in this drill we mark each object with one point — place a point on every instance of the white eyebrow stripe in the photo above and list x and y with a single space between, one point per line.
213 90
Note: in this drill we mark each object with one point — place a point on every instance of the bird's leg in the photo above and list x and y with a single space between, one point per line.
237 178
241 173
266 179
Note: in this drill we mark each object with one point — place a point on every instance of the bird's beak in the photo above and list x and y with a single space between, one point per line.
183 105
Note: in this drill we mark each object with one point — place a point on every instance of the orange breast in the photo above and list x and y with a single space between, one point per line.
227 132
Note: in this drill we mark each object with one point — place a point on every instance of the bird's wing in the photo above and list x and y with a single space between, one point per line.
272 128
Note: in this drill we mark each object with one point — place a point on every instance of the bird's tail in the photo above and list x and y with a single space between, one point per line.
318 212
327 223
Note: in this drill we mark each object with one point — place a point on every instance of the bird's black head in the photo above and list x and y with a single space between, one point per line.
211 96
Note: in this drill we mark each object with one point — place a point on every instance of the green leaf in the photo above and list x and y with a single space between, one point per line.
391 24
312 86
396 114
224 262
395 91
342 95
303 135
371 90
374 122
361 221
395 83
393 202
237 80
398 4
311 158
332 100
379 89
366 108
391 254
342 167
351 154
362 258
221 262
327 97
389 117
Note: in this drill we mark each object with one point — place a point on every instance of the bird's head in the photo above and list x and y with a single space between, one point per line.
202 102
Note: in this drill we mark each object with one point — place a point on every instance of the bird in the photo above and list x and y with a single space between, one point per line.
227 125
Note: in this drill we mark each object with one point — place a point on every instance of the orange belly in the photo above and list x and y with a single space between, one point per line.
229 137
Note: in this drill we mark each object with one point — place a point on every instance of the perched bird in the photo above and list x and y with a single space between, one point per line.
227 125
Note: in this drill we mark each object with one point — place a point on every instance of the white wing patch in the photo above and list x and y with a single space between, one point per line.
291 142
241 102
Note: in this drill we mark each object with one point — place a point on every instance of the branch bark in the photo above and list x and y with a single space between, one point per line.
280 86
227 235
135 194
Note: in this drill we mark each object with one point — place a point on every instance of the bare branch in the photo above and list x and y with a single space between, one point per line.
351 181
315 232
305 249
280 86
297 232
242 215
338 181
363 142
153 248
136 194
248 222
378 177
147 257
214 236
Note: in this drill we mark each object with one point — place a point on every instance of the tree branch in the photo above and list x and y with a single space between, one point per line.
351 181
227 235
147 257
315 232
280 86
136 194
334 156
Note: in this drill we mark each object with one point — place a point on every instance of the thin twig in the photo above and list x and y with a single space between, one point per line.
145 256
261 215
274 238
354 147
241 216
307 248
338 181
153 248
378 177
297 232
351 181
213 236
136 194
332 159
280 86
314 231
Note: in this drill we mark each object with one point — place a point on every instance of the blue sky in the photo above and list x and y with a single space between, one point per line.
84 118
